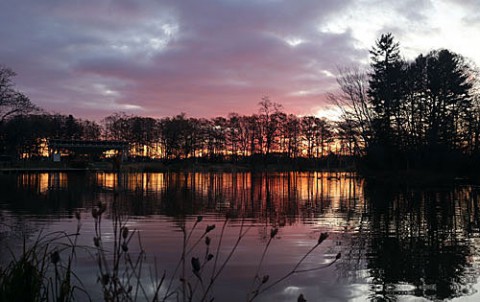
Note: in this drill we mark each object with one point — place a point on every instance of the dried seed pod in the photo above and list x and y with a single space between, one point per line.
105 279
265 279
209 228
322 237
209 257
273 232
301 298
125 232
207 240
199 219
55 257
125 247
101 208
196 264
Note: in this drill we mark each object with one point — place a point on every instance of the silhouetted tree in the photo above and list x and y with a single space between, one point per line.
175 135
254 134
23 134
90 130
216 137
269 121
143 134
116 126
309 131
449 101
292 133
12 102
234 135
323 136
355 103
246 135
416 113
385 87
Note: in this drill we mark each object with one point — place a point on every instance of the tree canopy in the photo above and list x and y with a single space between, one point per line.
415 113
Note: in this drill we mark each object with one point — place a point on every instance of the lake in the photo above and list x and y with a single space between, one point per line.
398 242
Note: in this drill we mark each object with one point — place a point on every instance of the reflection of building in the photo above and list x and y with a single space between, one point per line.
43 182
107 181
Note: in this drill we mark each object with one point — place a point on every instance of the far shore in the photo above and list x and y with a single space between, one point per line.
173 166
44 166
408 177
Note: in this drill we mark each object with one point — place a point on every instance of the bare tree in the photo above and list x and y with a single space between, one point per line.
353 100
269 113
12 102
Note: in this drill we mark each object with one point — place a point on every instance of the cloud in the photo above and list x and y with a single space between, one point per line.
202 57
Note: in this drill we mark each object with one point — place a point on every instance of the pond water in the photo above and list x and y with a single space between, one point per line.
397 242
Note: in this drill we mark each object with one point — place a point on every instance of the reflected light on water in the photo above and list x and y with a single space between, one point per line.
42 182
107 180
289 193
397 242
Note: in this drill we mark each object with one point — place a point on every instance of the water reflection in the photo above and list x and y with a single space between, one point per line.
416 241
42 182
396 240
279 198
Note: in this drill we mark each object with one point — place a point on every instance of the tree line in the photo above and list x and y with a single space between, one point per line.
270 133
420 113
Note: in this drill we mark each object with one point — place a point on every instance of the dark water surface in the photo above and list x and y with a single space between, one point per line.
398 242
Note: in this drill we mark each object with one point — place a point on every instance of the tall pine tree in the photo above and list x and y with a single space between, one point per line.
385 87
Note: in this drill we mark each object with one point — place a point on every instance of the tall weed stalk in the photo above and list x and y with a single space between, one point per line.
44 270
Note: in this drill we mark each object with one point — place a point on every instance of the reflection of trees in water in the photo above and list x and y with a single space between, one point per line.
278 198
29 202
40 194
417 237
406 240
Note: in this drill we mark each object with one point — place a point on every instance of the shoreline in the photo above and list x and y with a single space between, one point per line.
147 169
166 167
417 176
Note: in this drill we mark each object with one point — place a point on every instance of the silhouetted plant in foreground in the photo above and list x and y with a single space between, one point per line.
120 271
43 271
262 284
42 274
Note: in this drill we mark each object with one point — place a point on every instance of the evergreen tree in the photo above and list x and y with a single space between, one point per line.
385 86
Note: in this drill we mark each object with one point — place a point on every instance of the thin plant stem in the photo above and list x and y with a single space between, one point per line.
241 234
218 247
293 271
256 277
182 259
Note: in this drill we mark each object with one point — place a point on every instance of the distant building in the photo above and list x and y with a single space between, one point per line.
92 149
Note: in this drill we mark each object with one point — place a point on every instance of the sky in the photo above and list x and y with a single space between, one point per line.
208 58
